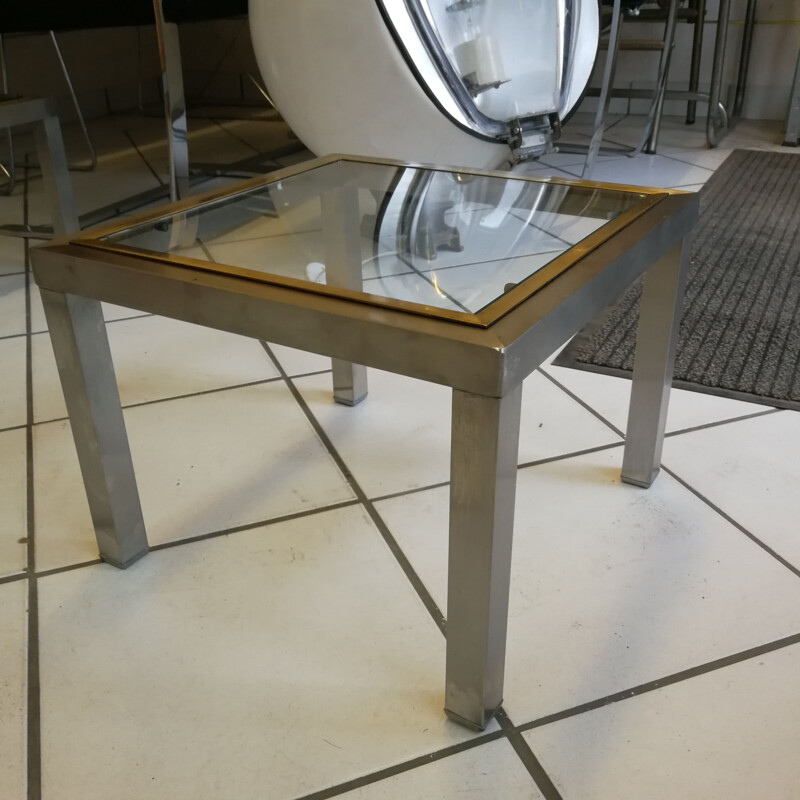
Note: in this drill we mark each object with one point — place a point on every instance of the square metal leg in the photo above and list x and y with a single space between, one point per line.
84 362
342 242
654 359
483 479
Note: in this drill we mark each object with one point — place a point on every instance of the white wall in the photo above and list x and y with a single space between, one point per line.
776 43
110 68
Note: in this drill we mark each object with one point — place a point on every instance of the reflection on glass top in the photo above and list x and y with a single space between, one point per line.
448 240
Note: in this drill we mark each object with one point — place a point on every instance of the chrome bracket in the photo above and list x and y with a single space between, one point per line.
533 137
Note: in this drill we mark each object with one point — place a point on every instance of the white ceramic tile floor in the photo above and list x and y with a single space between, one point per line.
749 473
12 249
266 659
400 439
13 502
156 358
294 657
13 392
727 734
641 586
610 397
492 770
12 305
205 463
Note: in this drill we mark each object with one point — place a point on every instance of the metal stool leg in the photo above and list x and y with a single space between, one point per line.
169 48
605 92
9 171
81 121
694 69
650 134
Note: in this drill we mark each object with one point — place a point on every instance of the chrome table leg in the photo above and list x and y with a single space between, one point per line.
659 322
483 478
342 247
84 362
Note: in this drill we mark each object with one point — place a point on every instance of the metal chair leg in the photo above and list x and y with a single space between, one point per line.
605 92
81 121
174 103
650 135
8 170
694 69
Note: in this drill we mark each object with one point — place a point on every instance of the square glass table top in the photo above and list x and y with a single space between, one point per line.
462 245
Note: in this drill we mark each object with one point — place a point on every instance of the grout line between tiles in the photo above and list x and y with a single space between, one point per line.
521 748
201 537
715 424
405 766
575 454
263 523
199 393
719 422
45 573
143 157
33 717
581 402
765 547
136 315
234 136
13 336
527 756
660 683
17 576
406 492
377 520
524 465
14 428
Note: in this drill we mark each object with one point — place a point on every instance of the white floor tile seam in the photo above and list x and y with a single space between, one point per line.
788 565
549 375
14 335
717 666
718 423
676 475
177 397
372 778
230 133
189 541
13 578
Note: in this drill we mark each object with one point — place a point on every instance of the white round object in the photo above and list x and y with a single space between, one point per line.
336 75
339 79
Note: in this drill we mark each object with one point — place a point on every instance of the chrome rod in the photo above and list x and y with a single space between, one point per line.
81 121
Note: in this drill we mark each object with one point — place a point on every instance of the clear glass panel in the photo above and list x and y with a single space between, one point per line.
510 54
443 239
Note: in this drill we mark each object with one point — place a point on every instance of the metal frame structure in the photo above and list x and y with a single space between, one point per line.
719 121
41 115
484 366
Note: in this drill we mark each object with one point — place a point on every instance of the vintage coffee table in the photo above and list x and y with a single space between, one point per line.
467 279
